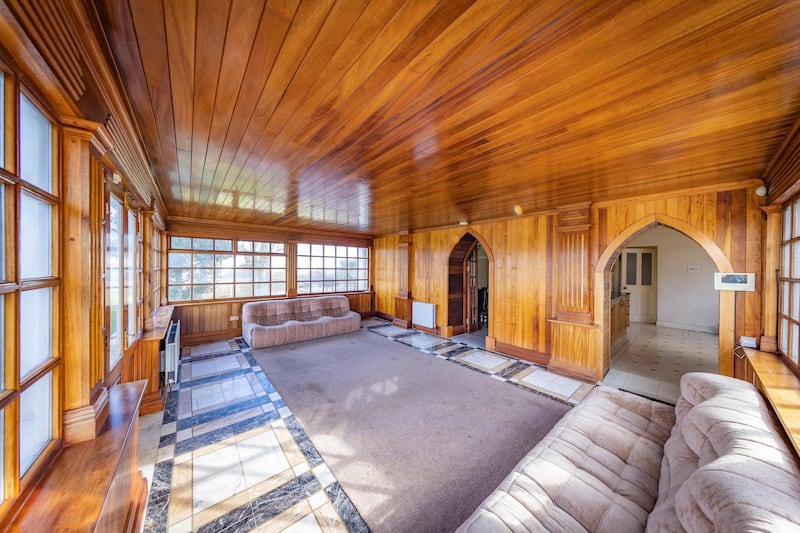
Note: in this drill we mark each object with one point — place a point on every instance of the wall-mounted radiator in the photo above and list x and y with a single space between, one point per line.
423 314
172 352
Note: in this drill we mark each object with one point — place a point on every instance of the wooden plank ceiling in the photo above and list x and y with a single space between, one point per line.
384 116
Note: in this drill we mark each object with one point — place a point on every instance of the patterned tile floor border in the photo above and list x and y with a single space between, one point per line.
501 367
232 457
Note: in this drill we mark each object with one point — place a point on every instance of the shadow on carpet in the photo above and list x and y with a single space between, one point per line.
416 442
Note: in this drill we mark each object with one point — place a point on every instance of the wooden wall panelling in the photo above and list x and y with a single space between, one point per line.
573 350
403 275
203 322
362 303
772 262
386 284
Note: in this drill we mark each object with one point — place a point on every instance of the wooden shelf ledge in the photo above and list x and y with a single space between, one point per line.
95 485
781 387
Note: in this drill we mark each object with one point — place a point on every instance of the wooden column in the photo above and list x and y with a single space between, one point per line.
85 394
148 306
291 268
573 331
772 263
402 302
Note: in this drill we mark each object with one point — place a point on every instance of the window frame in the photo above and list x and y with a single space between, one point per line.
332 252
235 252
788 327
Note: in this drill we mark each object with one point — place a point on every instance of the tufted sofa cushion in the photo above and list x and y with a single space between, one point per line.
726 466
274 322
597 470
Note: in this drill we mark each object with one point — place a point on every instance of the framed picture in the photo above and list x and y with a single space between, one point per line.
735 281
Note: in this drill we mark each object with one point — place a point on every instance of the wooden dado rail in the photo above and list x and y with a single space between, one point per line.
95 485
205 322
780 386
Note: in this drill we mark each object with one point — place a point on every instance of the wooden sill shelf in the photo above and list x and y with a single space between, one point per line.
95 485
781 387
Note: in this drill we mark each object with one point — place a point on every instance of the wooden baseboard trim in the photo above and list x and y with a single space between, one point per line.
405 324
433 331
571 371
84 423
152 403
384 316
190 339
522 353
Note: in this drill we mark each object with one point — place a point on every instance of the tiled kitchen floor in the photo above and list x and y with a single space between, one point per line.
657 357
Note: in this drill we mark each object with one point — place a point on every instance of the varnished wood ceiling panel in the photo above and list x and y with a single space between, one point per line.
384 116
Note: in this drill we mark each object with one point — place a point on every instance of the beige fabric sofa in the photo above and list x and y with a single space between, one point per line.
621 463
274 322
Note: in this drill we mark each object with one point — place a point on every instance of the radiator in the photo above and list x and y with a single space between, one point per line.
423 314
172 351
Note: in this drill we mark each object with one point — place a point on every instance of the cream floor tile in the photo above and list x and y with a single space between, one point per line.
261 458
206 396
306 525
218 487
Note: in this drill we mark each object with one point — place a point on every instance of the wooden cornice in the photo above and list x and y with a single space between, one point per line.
782 174
194 227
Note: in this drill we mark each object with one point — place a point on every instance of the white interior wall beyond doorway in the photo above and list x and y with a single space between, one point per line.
686 296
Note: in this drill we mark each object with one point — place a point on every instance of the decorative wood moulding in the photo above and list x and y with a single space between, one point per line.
574 218
781 172
47 26
222 229
84 423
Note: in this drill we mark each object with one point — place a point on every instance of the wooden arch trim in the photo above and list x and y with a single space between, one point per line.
727 309
455 266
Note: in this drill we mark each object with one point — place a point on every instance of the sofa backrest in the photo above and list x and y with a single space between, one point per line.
726 466
276 312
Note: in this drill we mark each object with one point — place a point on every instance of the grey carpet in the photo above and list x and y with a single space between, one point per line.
416 442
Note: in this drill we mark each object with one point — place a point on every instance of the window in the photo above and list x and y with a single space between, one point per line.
220 269
329 268
789 284
30 301
114 262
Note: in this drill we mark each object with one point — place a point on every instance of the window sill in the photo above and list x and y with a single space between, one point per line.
781 387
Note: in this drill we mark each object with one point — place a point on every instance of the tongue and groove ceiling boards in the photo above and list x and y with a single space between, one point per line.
384 116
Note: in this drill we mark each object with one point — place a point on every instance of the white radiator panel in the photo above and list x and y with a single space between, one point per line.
423 314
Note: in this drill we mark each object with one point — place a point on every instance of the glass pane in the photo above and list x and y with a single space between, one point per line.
362 285
181 243
223 261
796 260
330 251
261 275
784 341
261 289
113 281
795 342
2 220
278 275
202 292
35 328
278 261
178 294
244 246
785 298
787 223
2 164
341 251
130 269
329 286
278 289
630 268
341 286
277 248
303 275
35 146
203 260
244 275
303 262
796 232
317 249
203 275
35 237
303 249
647 269
796 301
203 244
35 421
787 251
362 253
2 451
243 290
223 291
244 260
180 276
330 262
224 275
261 247
223 245
303 287
262 261
180 259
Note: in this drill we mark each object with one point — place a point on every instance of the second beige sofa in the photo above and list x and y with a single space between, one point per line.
274 322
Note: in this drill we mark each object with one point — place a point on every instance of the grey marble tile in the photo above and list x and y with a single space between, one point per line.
347 511
272 504
155 521
239 519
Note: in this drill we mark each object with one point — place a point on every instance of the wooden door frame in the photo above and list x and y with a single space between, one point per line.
467 314
602 290
448 330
